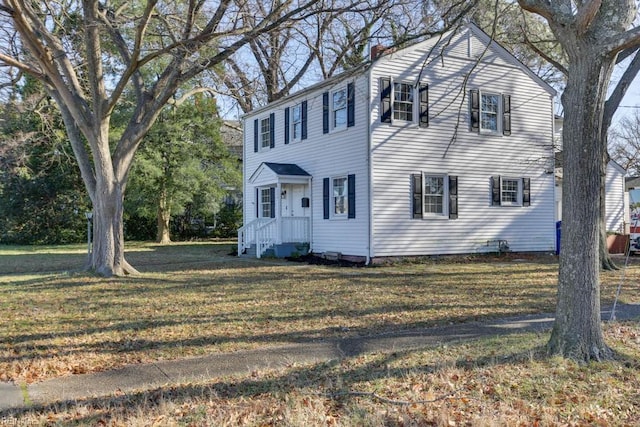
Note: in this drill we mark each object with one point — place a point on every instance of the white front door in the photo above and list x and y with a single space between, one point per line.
291 203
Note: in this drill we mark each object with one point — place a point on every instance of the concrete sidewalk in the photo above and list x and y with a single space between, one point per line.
148 376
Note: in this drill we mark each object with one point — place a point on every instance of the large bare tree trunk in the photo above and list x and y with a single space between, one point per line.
577 332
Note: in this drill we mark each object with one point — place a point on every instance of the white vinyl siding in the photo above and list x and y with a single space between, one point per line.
321 155
474 158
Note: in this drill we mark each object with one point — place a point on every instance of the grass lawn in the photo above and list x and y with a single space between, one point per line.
193 299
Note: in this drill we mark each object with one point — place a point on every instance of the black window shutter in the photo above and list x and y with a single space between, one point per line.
526 191
495 190
272 194
453 197
257 203
351 105
424 105
351 196
385 100
325 112
286 125
303 132
416 195
506 115
475 110
325 198
272 130
256 147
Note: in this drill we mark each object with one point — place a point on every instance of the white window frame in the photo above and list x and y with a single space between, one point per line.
265 202
518 191
296 124
344 196
444 199
265 133
395 111
482 112
333 111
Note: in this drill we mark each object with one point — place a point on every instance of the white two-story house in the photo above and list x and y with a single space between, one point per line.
443 147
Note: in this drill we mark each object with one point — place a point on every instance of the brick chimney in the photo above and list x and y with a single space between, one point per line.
376 51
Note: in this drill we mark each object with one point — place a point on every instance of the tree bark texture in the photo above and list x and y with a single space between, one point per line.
577 332
163 235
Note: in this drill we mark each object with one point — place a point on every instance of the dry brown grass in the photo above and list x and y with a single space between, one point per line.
489 382
193 299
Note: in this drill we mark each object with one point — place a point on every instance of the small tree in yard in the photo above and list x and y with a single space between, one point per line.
182 161
592 34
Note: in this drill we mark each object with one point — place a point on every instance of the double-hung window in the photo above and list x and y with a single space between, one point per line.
509 191
296 122
264 133
434 192
266 203
339 196
434 195
404 102
338 108
490 112
339 201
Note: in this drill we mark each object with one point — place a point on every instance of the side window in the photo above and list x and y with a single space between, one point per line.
404 102
509 191
434 195
490 112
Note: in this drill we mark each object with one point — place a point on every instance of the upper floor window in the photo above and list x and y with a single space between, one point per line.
264 133
490 112
338 108
295 122
404 102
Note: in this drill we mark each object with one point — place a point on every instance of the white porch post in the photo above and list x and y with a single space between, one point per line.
278 216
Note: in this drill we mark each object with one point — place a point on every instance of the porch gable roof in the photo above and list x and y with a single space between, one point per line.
269 172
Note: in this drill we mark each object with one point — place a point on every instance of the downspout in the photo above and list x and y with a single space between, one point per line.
369 171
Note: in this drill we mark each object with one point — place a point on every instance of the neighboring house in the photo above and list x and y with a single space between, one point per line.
616 203
443 147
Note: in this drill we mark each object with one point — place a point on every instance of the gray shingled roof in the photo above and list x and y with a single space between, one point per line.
286 169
